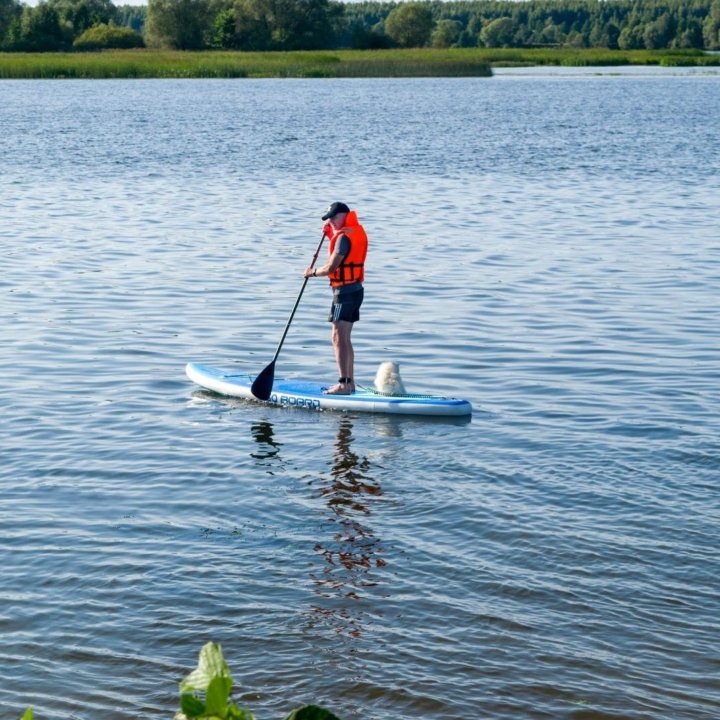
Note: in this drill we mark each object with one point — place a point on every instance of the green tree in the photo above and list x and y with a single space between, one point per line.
301 24
224 30
659 33
252 25
575 39
132 16
498 33
651 37
178 24
10 13
373 38
631 38
598 34
410 25
613 34
474 24
711 27
40 30
446 33
691 37
551 34
7 14
284 24
105 37
76 16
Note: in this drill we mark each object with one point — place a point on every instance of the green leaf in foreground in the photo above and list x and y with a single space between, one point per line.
28 714
191 706
212 677
211 665
216 697
235 713
311 712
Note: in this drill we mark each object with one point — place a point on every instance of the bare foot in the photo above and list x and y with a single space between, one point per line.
341 389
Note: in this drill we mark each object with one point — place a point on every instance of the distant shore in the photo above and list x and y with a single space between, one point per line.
426 62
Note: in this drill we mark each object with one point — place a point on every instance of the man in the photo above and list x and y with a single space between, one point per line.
346 270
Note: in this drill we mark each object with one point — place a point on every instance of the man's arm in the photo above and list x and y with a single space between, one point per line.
341 252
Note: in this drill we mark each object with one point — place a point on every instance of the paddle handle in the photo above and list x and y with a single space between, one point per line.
297 302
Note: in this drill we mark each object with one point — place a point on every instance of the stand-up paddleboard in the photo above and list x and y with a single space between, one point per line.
311 395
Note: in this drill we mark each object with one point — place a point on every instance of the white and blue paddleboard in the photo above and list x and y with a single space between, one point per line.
311 395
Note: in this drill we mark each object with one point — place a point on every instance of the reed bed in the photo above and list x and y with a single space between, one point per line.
465 62
222 64
600 57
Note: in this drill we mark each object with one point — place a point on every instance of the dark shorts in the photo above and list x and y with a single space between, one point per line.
346 307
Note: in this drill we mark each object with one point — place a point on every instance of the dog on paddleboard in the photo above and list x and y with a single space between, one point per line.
388 380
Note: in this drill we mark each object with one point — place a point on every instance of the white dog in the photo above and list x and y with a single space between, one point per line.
387 379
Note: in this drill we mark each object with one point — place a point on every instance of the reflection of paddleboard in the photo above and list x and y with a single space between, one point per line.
308 394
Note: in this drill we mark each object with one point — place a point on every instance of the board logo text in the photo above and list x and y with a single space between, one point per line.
293 401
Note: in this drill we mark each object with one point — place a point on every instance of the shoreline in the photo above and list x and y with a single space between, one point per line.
426 62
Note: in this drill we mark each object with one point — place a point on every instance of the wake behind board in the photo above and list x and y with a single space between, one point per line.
310 395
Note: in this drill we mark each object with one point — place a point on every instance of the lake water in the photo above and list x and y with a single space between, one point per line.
547 246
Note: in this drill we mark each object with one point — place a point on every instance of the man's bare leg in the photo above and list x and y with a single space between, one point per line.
344 356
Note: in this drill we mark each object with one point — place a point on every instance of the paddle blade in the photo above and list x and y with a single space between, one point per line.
262 385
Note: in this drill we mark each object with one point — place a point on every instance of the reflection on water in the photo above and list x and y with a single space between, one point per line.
351 551
269 450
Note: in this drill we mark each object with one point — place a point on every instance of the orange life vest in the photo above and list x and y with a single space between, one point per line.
352 268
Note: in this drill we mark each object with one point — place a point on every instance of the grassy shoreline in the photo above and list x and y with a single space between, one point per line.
426 62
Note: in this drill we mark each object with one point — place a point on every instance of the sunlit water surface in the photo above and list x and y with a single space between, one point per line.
545 246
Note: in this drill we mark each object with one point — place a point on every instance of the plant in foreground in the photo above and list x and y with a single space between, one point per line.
206 693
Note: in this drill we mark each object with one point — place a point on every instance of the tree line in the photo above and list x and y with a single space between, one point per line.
56 25
250 25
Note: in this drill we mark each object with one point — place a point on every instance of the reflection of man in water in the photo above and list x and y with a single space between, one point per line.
269 448
352 553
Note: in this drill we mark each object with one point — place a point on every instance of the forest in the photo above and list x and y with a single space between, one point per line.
285 25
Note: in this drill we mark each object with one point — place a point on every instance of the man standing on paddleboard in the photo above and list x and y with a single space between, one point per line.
346 270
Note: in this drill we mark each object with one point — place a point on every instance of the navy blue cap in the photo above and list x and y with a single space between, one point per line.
334 209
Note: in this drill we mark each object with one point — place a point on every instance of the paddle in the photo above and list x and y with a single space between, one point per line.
262 385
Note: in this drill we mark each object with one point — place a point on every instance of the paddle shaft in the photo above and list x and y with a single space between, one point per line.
297 302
